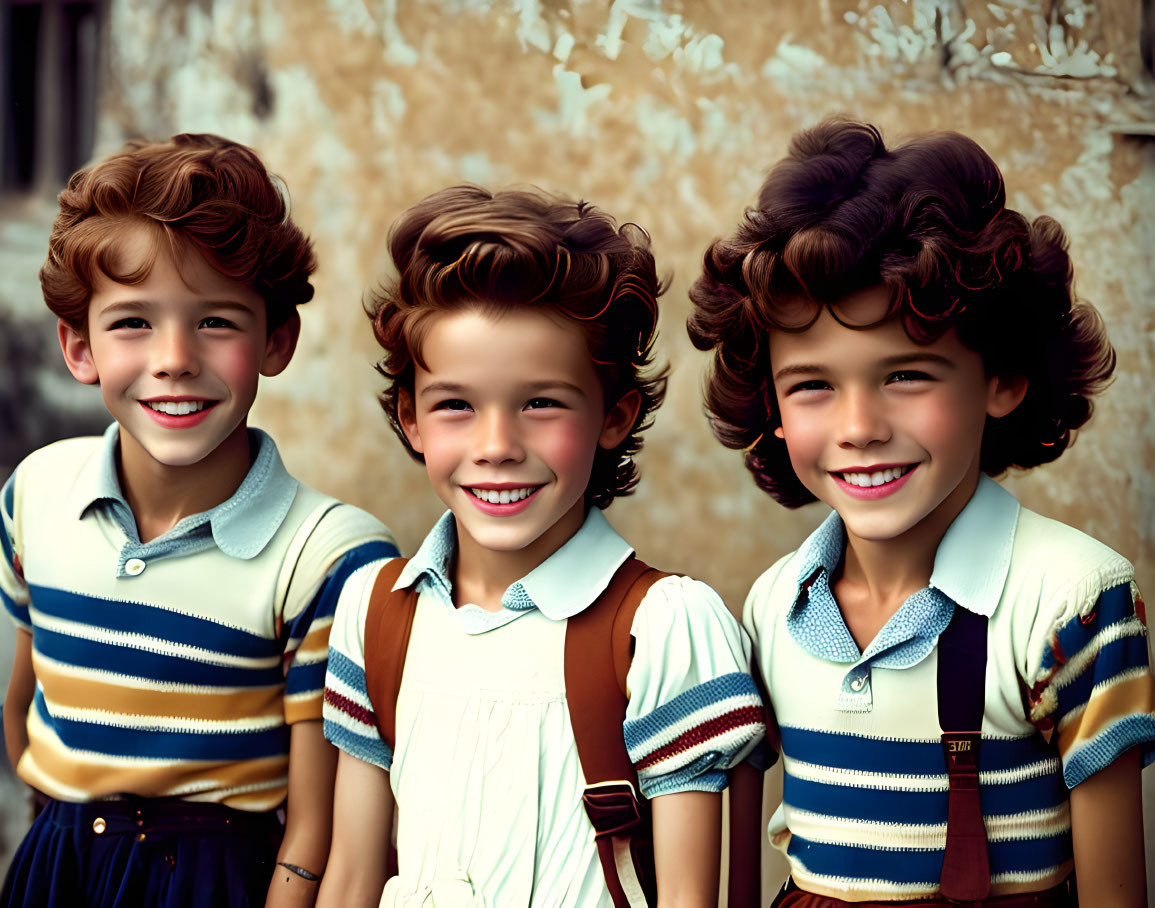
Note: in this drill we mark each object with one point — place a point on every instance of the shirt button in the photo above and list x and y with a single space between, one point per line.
98 825
134 566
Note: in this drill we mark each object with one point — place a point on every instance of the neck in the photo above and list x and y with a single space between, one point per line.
482 575
891 570
161 495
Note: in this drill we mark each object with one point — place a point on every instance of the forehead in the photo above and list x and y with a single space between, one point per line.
854 330
511 346
143 264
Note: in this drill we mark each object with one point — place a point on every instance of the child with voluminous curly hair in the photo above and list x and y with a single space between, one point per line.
517 340
961 686
171 584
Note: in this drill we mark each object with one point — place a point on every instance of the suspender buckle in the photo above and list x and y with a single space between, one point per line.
613 808
961 750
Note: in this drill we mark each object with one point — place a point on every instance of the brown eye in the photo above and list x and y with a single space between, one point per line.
907 375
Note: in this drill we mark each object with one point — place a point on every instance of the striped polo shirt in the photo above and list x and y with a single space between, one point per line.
1068 689
172 668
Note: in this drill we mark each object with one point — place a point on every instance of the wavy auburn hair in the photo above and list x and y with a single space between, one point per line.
928 222
466 247
199 192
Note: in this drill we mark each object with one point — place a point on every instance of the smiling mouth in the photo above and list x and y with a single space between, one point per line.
876 478
178 407
502 496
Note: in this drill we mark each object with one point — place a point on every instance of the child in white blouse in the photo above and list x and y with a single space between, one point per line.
517 338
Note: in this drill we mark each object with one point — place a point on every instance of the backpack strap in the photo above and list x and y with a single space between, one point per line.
962 663
598 653
387 627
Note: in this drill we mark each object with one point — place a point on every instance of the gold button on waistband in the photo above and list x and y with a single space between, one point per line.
98 825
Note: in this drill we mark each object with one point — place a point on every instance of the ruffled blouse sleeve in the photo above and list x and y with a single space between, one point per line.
694 710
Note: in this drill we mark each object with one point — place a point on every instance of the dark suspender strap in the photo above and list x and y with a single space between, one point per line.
387 628
962 663
598 651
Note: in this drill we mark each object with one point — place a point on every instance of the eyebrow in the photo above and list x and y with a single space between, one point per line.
537 387
132 306
899 359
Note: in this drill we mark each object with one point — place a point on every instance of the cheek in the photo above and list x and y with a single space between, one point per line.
443 449
804 439
951 426
239 367
568 447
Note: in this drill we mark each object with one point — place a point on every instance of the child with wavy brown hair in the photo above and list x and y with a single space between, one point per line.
461 683
171 584
961 686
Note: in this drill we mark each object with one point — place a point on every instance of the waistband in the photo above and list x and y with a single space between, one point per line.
1061 896
139 816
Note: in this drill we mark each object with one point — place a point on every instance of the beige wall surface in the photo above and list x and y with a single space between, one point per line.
668 114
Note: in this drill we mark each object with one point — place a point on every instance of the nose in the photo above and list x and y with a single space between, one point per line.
174 354
497 439
864 421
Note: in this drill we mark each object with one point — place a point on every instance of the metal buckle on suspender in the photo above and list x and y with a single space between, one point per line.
613 808
961 749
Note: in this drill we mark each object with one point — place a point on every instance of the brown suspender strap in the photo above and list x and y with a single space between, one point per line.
962 662
595 683
387 628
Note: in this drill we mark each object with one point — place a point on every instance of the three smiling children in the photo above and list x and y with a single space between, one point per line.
885 332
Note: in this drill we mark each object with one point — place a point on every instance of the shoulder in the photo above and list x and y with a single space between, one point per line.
352 609
334 527
67 453
48 473
773 592
1063 567
677 601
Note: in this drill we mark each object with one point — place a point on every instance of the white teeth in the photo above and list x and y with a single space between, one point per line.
177 408
877 478
505 496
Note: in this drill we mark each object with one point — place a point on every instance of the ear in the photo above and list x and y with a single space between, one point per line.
77 353
620 420
281 345
407 416
779 433
1004 393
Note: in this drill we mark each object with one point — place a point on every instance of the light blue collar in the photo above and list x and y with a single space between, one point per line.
241 526
563 585
972 561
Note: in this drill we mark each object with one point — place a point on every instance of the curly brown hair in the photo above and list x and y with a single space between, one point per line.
926 220
466 247
194 191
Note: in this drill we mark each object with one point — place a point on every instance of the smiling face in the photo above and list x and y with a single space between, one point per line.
886 431
177 356
508 413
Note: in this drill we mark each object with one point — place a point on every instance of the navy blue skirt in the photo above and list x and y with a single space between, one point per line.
143 853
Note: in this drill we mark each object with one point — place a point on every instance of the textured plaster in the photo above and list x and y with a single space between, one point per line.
667 114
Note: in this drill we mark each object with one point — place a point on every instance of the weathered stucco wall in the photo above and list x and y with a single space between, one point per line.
666 113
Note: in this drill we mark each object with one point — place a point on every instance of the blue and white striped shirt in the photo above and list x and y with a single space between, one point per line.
1068 689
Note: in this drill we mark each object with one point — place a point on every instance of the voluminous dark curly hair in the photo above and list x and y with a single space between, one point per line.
194 191
467 247
928 221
